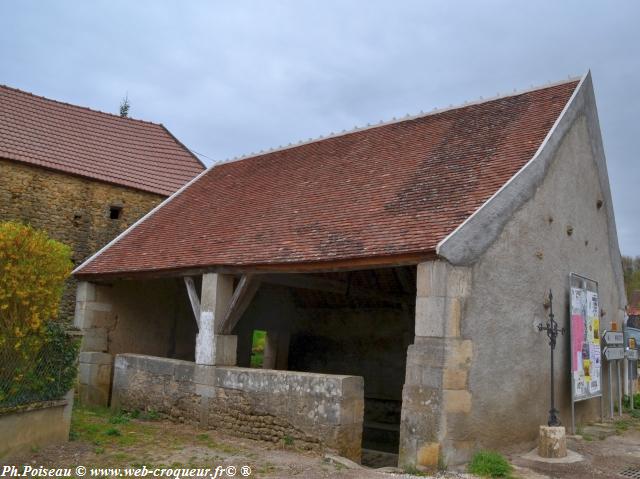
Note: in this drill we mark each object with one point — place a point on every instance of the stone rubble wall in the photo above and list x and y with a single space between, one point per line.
314 411
71 209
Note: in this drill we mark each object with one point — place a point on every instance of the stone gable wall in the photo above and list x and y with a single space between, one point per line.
71 209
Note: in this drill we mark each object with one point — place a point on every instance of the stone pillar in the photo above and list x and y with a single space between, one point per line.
276 350
435 396
213 348
94 379
270 350
94 316
552 442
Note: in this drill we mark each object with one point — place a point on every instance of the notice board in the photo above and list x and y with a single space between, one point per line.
584 327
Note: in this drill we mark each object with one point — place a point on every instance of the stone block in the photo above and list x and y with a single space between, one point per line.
552 442
352 387
431 279
351 411
224 350
95 339
102 319
454 378
216 293
79 316
459 353
430 316
159 366
454 317
456 401
94 357
428 455
85 291
458 452
184 371
459 282
84 372
204 374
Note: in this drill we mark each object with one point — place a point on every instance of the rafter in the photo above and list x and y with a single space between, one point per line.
242 296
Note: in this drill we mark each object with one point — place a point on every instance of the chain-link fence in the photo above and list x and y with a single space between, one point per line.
37 367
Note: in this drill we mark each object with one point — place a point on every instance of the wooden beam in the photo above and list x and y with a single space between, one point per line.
193 297
304 267
305 281
242 296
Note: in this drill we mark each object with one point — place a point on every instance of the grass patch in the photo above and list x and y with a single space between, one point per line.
626 402
257 348
621 426
490 464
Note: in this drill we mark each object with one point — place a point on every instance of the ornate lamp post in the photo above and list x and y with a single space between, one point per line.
552 331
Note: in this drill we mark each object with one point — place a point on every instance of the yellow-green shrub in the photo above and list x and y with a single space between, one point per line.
37 357
33 268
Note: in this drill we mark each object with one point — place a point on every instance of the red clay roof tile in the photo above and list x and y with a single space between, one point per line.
93 144
387 191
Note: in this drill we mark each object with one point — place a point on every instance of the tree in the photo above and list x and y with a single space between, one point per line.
631 270
124 107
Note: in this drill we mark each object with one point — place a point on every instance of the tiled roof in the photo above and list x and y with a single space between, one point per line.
92 144
383 192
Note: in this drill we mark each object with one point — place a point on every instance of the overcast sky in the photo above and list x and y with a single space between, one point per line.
229 78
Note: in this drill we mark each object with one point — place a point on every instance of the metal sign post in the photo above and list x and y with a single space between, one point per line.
632 370
614 351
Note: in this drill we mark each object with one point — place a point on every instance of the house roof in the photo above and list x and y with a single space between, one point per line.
380 195
93 144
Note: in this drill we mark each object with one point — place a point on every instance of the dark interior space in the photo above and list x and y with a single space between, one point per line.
353 323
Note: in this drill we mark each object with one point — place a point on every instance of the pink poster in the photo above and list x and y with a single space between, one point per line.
577 331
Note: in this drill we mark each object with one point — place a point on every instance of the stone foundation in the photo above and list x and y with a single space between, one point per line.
314 411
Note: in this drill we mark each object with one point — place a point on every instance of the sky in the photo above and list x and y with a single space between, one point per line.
233 77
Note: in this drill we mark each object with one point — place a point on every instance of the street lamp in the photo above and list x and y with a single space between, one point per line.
552 330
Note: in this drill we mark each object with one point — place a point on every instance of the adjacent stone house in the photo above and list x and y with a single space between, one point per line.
399 270
82 175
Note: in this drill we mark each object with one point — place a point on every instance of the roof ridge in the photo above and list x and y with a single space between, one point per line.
113 115
394 120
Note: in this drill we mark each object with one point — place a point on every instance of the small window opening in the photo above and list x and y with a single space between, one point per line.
115 212
257 348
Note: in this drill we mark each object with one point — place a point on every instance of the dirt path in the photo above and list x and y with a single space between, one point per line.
102 439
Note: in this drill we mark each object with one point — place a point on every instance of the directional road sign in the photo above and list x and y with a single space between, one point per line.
613 353
613 337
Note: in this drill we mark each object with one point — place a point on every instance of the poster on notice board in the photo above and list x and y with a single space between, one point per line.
586 360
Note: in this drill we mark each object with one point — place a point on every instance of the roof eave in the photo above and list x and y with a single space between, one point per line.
347 264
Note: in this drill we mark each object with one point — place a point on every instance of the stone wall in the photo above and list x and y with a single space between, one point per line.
25 428
315 411
72 209
560 230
